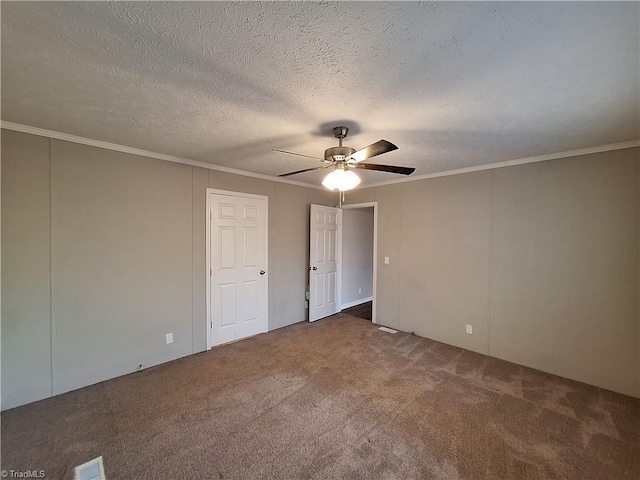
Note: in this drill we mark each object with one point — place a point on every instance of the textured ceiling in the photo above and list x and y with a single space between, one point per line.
453 84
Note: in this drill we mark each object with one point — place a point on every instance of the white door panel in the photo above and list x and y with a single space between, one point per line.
237 257
323 254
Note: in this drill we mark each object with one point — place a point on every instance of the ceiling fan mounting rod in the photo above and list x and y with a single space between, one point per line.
340 133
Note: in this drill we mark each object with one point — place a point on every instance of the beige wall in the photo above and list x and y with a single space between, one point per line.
26 320
444 259
121 232
126 245
564 276
541 259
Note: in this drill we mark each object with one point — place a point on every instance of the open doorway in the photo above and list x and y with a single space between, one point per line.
358 259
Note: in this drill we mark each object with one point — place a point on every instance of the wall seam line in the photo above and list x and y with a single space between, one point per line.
51 325
402 195
193 172
490 289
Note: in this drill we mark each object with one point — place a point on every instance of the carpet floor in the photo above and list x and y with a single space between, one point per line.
334 399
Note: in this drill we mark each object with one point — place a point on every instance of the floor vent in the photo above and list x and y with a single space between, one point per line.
388 330
92 470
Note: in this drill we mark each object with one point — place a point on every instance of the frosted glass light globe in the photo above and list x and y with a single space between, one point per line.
341 179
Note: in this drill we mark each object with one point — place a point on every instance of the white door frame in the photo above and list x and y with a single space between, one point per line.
208 252
375 248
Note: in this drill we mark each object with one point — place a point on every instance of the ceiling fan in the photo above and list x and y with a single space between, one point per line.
345 158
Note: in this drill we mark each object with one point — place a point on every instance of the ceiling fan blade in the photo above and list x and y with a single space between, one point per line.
298 154
385 168
381 146
305 170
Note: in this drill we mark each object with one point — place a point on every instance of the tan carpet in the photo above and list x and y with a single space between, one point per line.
333 399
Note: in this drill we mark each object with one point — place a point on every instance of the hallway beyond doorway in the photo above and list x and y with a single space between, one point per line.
361 311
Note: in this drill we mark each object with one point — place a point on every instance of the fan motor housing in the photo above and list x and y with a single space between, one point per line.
338 154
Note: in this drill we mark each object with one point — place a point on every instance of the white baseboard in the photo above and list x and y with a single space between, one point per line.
360 301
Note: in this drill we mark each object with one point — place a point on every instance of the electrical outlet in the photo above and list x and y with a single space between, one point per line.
386 260
469 329
306 304
359 290
169 338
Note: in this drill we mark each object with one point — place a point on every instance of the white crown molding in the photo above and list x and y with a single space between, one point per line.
17 127
170 158
511 163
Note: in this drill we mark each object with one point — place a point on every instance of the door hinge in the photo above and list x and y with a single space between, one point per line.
210 272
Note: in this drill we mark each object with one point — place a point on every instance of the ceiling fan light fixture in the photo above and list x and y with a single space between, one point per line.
342 158
341 179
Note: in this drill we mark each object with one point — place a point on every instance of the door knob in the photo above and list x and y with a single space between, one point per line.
262 272
314 268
